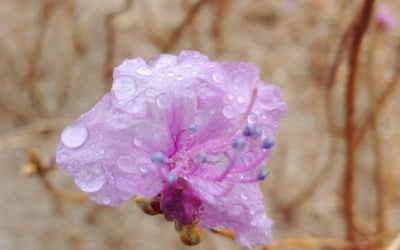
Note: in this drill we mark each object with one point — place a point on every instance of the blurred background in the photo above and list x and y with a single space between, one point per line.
335 177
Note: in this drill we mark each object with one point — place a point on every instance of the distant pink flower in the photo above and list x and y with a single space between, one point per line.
192 131
385 17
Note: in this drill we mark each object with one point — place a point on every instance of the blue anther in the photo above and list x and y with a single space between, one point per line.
201 157
268 142
192 128
239 143
158 158
171 178
262 174
252 131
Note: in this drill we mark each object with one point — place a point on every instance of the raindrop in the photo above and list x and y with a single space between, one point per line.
139 109
240 99
244 196
237 210
106 200
164 101
144 71
124 88
216 76
74 135
143 168
127 163
90 177
228 111
137 141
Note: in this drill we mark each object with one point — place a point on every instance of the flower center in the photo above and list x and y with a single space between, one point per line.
180 203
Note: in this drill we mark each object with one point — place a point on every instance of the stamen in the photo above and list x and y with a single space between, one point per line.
158 158
268 142
262 174
252 131
239 143
192 128
201 157
213 144
171 178
228 169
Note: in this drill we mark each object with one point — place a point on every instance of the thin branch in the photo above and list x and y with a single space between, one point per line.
350 130
108 63
178 32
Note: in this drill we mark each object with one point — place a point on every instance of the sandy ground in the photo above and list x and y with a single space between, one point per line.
57 55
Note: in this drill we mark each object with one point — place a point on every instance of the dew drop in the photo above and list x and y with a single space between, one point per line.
170 74
124 88
216 76
139 109
179 78
90 177
252 119
228 111
74 135
137 141
106 200
243 196
144 71
143 168
163 101
230 97
64 156
240 99
237 210
187 65
127 163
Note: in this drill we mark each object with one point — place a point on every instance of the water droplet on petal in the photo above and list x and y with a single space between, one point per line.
164 101
106 200
240 99
90 177
143 168
127 163
216 76
124 88
252 119
144 71
74 135
228 111
64 156
139 109
244 196
237 210
138 141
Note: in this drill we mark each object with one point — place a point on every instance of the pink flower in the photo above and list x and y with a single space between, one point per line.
385 17
193 132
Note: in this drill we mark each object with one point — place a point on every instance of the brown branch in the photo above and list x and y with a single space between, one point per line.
108 63
177 33
31 78
380 102
221 9
36 167
350 169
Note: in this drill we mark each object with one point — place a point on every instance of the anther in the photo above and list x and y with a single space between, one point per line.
201 157
252 131
239 143
262 174
192 128
268 142
171 178
158 158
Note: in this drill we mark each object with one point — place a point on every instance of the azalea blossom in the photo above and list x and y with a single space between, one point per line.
189 133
